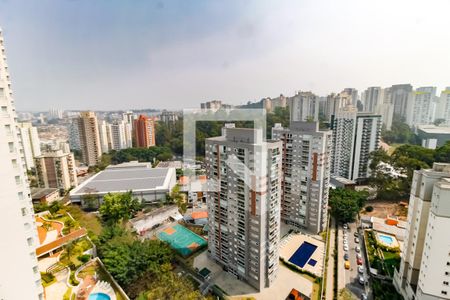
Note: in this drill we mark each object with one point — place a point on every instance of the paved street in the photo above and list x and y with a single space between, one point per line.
350 278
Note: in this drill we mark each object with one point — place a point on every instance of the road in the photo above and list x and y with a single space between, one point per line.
330 267
351 276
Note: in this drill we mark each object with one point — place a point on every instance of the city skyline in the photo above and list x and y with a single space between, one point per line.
69 54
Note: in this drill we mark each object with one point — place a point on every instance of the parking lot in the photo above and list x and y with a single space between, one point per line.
352 276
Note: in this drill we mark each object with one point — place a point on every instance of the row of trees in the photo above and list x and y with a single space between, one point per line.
400 133
405 160
345 203
170 135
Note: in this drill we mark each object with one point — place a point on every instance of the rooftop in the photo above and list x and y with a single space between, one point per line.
38 193
122 178
434 129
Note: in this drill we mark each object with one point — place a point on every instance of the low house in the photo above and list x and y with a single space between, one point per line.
44 195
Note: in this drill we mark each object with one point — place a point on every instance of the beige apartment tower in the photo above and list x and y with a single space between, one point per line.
91 149
56 170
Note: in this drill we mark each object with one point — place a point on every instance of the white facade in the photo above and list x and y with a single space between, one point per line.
355 135
443 106
30 143
401 96
425 266
306 174
304 106
371 98
20 277
244 211
423 107
104 137
118 136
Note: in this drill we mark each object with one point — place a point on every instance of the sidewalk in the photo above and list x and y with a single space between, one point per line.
340 258
330 267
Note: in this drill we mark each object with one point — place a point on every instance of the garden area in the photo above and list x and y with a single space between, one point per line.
382 258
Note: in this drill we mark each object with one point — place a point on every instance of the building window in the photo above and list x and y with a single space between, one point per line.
445 282
444 292
20 194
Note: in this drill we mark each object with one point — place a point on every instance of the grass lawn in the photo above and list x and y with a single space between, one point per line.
88 220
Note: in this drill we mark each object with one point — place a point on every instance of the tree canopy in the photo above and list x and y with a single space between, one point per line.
400 133
346 203
119 206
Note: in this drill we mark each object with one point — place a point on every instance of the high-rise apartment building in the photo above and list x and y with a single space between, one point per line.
56 170
118 135
304 106
168 117
355 136
104 136
91 149
244 211
213 105
20 278
306 162
400 95
443 107
74 134
144 131
371 98
30 143
425 260
423 107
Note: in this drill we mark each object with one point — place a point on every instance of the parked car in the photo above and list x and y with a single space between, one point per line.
358 255
361 269
357 240
361 280
347 265
359 261
345 226
356 234
345 247
357 249
346 256
364 296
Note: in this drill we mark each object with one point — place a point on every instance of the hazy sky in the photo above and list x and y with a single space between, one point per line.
175 54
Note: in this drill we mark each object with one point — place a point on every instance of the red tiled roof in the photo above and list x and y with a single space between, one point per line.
60 242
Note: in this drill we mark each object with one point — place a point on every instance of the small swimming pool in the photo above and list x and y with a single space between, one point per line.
386 239
99 296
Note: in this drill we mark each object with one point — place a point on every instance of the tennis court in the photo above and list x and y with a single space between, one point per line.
182 239
303 254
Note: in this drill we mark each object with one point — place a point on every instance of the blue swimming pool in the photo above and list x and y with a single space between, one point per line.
99 296
303 254
386 239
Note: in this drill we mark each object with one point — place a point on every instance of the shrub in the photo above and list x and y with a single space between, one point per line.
369 208
84 258
47 277
72 279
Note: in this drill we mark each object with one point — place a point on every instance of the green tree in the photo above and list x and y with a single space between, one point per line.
346 203
119 207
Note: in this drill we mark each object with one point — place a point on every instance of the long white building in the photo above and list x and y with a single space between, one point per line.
424 272
244 210
306 174
355 136
20 277
371 98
